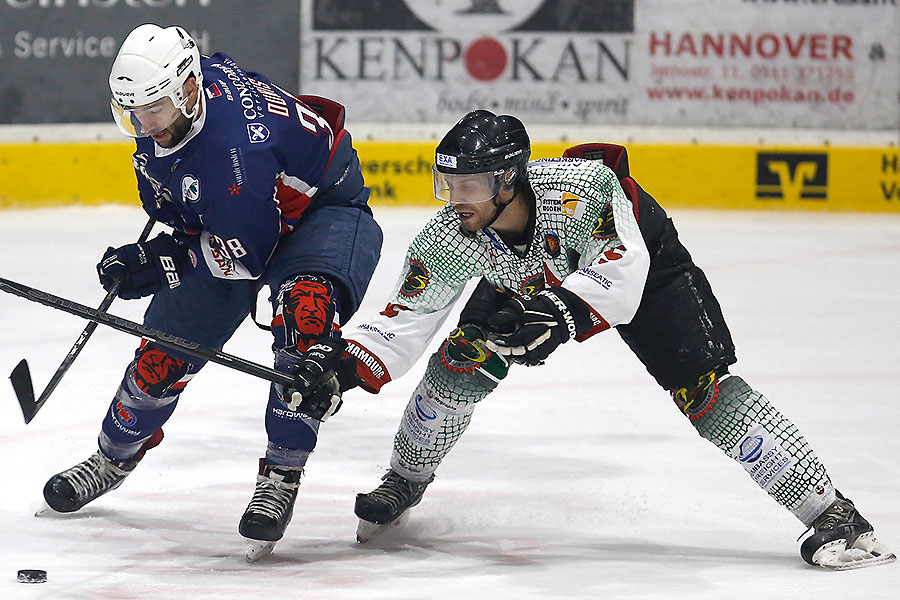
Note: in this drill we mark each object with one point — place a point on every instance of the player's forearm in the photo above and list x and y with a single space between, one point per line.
391 343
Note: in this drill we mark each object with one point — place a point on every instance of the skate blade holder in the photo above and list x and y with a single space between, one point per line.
866 551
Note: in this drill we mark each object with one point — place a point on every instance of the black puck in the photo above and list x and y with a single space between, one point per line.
32 576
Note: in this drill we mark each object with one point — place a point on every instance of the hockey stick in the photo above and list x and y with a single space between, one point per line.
21 375
161 338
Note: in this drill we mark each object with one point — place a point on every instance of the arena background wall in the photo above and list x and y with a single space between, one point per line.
744 104
765 176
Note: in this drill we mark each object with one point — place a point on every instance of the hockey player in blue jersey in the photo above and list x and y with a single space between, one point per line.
260 187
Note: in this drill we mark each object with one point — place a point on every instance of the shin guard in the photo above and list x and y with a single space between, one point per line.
745 425
305 310
144 401
457 377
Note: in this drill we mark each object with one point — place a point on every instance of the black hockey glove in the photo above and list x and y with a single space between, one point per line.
320 377
143 268
527 329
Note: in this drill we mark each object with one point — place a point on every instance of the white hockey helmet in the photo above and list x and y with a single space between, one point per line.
148 76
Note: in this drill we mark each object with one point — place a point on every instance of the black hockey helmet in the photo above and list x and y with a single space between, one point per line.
482 143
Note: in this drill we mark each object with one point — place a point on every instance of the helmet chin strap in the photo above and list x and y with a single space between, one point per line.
498 208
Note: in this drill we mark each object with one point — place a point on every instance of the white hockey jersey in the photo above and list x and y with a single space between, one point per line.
586 238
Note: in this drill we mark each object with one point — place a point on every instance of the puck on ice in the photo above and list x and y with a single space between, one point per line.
32 576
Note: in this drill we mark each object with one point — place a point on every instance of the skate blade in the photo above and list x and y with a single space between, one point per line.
44 510
367 531
865 552
258 549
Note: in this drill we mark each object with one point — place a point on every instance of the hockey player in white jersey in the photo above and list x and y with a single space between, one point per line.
564 249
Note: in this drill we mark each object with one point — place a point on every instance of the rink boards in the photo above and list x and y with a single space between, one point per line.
718 176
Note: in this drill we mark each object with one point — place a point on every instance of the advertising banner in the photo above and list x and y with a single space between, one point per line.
856 179
751 63
55 55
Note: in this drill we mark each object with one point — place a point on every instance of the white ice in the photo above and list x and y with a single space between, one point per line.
578 479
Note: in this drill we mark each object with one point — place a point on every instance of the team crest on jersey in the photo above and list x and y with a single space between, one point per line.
532 284
416 280
551 244
605 227
257 132
190 188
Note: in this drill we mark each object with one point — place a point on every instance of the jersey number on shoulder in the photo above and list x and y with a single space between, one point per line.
310 119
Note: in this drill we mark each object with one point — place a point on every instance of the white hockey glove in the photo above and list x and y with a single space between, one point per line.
320 377
527 329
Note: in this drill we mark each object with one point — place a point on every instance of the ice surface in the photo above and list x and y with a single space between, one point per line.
578 479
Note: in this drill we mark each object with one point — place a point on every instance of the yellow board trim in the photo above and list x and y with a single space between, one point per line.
860 179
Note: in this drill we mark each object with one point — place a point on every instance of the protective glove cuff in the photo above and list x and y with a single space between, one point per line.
575 312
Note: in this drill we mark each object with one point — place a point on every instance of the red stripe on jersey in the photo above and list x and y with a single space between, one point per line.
371 371
629 186
598 324
291 203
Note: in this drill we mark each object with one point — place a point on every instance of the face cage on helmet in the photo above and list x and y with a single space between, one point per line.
466 188
156 116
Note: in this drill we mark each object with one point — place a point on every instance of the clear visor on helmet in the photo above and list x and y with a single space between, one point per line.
470 188
142 121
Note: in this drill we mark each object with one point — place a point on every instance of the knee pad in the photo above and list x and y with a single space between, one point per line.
461 373
155 373
696 399
464 352
305 310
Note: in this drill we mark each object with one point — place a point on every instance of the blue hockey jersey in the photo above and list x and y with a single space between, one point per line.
254 163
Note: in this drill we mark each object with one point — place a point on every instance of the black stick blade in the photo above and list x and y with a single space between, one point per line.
21 382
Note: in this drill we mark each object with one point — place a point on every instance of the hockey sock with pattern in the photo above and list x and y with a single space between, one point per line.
458 376
745 425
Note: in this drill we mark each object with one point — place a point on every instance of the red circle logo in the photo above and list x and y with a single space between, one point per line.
485 59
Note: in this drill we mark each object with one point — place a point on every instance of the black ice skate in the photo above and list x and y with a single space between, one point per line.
843 539
270 509
387 505
71 489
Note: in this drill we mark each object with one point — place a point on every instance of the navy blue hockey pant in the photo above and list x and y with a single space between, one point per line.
342 244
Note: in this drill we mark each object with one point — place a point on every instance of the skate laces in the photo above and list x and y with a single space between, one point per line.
397 491
95 475
273 497
840 512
